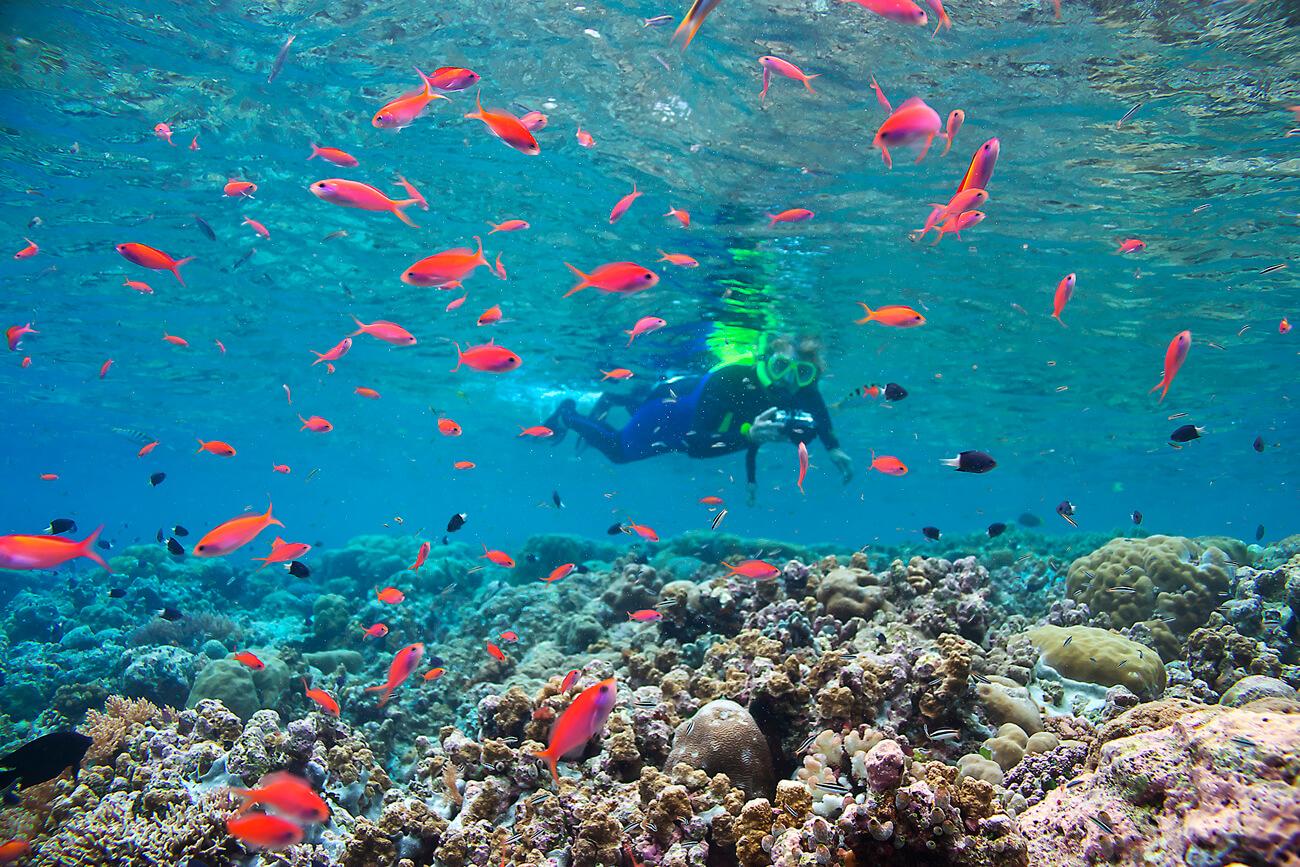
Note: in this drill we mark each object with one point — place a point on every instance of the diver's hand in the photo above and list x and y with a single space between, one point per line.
764 429
843 463
751 494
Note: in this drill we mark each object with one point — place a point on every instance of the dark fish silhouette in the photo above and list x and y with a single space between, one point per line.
157 479
971 462
178 530
176 549
555 498
205 228
456 522
43 759
61 525
931 533
1029 519
894 391
997 529
117 593
1259 444
170 614
299 570
1186 434
1137 517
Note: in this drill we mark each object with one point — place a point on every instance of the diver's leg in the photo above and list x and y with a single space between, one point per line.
592 431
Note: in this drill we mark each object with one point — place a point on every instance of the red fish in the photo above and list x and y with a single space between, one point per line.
534 121
509 636
216 447
803 464
681 216
448 428
420 557
14 334
316 424
561 571
509 226
1132 245
234 534
164 132
790 215
283 552
237 189
1175 355
404 662
894 315
452 78
256 227
354 194
912 123
1064 291
389 332
783 68
283 469
340 349
623 204
402 112
982 163
174 340
681 260
413 193
644 325
12 850
957 224
888 464
333 155
645 615
495 652
103 368
644 532
500 558
615 277
142 288
221 347
490 316
448 266
537 430
758 570
711 500
29 251
322 698
616 373
376 630
194 143
1283 327
368 393
956 117
149 257
584 138
146 448
569 680
463 465
434 673
288 794
880 97
506 127
264 831
455 303
391 596
487 357
21 552
27 359
248 658
49 477
902 11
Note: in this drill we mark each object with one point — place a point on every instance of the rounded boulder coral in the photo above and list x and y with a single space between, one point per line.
722 738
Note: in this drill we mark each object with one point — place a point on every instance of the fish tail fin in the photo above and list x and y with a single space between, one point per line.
550 758
1058 318
807 81
947 139
865 319
361 328
428 85
315 152
176 268
398 209
631 335
460 357
951 462
478 256
86 548
692 22
201 445
884 155
586 281
271 519
477 114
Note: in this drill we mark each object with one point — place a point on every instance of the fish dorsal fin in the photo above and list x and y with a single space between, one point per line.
910 102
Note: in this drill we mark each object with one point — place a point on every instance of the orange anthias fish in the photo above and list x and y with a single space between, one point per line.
645 615
391 596
283 552
12 850
452 78
682 217
616 373
29 251
803 464
495 652
14 334
375 630
615 277
248 658
506 127
1284 327
174 340
647 533
340 349
283 469
561 571
888 464
420 557
500 558
404 662
257 227
354 194
142 288
146 448
584 138
490 316
402 112
1175 355
711 500
21 552
957 224
316 424
365 392
149 257
509 226
758 570
487 357
237 189
434 673
570 680
913 122
448 266
537 430
1132 245
693 21
264 831
535 121
413 193
448 428
216 447
382 329
333 155
790 215
322 698
509 636
463 465
234 534
1064 291
582 720
289 794
893 315
623 204
681 260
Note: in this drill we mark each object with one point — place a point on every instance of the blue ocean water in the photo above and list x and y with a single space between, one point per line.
1203 172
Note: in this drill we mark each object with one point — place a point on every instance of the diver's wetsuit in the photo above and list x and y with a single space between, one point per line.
705 418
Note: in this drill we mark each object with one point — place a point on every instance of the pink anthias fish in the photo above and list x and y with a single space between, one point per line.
1064 292
942 21
982 163
404 662
785 69
912 123
381 329
1175 355
803 464
960 203
340 349
956 118
901 11
623 204
644 325
354 194
957 224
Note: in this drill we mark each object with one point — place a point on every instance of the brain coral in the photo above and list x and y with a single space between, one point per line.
1100 656
1171 577
722 738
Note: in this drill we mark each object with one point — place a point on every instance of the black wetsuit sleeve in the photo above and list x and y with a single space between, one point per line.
811 401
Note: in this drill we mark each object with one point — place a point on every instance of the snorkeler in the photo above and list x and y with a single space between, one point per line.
734 407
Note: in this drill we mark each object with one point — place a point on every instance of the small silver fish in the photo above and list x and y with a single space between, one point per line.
1097 820
657 21
280 58
1128 115
1271 268
1122 588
